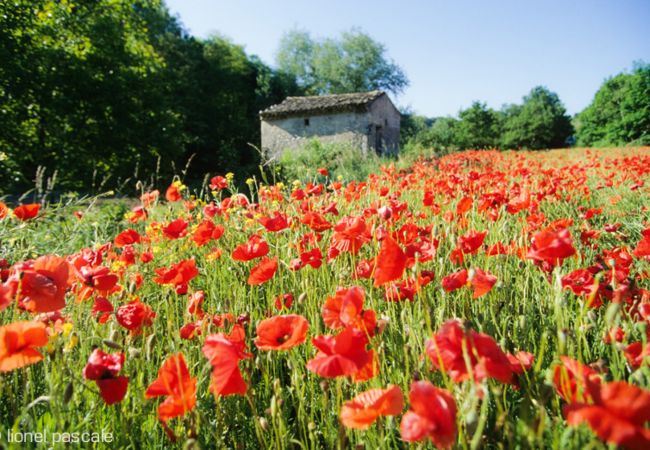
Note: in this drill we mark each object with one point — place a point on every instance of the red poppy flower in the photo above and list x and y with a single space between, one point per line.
256 247
28 211
137 214
149 198
551 247
464 205
218 183
276 223
350 233
313 258
521 361
102 308
44 283
365 408
617 415
340 355
103 368
177 274
7 294
175 229
174 382
571 379
195 303
453 348
283 301
127 237
471 242
206 232
455 280
642 249
18 343
263 272
281 332
135 315
173 194
369 370
581 282
98 278
346 309
4 210
432 415
482 282
224 353
315 221
390 262
637 353
520 202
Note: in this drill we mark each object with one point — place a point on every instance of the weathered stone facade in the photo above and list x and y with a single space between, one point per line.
368 121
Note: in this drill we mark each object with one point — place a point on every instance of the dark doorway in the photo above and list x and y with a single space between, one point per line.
379 139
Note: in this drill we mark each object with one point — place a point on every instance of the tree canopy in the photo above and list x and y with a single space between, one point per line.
353 63
540 122
110 91
620 111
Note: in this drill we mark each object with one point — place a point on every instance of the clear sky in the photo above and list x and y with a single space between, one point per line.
455 51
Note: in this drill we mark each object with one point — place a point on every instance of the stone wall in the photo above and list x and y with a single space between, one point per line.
378 128
282 134
383 114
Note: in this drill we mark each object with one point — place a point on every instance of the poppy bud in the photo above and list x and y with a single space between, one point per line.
274 406
67 394
151 342
263 423
611 313
311 426
416 375
191 444
134 352
301 298
112 344
385 212
471 422
324 385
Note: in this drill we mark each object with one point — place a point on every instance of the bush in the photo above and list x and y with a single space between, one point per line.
341 160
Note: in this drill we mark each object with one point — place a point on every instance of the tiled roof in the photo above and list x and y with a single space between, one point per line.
321 104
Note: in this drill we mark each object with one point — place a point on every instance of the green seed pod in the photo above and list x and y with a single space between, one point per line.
67 394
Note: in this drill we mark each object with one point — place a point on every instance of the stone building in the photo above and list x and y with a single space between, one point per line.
366 120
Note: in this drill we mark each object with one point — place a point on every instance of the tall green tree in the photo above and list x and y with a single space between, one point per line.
620 111
80 91
540 122
117 90
478 127
352 63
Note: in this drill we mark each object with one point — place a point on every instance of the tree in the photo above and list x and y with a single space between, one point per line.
620 111
478 128
117 90
540 122
353 63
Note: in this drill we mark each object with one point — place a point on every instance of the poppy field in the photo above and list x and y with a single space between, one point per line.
483 299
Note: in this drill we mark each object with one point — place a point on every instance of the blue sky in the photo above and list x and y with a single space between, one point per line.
455 51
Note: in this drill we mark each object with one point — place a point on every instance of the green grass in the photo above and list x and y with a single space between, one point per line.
286 405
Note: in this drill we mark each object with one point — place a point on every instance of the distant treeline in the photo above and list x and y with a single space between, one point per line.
618 115
107 92
101 93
